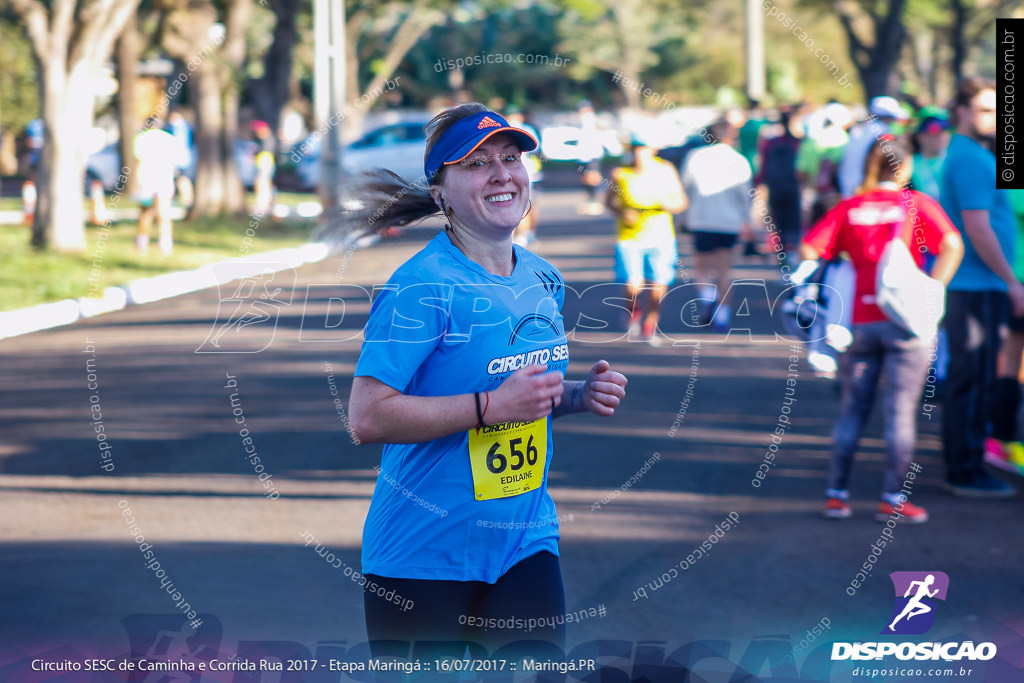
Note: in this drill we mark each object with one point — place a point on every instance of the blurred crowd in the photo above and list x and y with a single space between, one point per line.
883 223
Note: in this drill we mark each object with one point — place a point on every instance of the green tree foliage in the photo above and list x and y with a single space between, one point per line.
19 89
620 37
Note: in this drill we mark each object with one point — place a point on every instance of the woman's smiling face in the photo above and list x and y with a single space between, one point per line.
489 190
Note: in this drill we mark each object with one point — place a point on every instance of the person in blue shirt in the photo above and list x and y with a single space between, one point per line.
461 372
1003 449
980 293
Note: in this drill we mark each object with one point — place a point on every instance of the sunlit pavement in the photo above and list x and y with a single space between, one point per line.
638 492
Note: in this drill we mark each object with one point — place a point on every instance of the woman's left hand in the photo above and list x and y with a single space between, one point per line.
603 389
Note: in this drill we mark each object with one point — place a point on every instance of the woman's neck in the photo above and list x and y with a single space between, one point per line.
496 257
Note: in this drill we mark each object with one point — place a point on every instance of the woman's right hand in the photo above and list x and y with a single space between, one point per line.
528 394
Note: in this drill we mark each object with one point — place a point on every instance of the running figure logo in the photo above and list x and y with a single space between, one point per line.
247 318
916 593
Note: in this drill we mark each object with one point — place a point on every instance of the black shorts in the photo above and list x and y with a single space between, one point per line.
527 603
706 241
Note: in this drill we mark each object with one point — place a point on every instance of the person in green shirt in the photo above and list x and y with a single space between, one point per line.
817 160
932 138
750 133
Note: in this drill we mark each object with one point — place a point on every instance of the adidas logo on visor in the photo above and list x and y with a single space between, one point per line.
487 122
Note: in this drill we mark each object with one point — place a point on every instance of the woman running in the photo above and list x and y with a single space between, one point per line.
861 227
460 374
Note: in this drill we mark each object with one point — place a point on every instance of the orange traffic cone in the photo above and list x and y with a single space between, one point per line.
28 202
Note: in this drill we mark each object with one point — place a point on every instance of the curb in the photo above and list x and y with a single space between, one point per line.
147 290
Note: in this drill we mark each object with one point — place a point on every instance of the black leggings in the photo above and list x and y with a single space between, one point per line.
527 603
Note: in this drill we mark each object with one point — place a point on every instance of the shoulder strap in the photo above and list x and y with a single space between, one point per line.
899 224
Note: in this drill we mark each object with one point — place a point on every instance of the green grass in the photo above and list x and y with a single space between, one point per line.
295 198
286 198
10 203
14 204
29 277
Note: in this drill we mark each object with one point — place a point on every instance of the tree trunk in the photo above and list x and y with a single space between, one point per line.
210 188
127 77
270 93
875 79
212 70
631 66
354 26
234 192
419 19
69 39
239 13
956 39
924 66
67 115
875 62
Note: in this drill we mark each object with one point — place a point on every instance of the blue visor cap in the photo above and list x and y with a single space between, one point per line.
459 141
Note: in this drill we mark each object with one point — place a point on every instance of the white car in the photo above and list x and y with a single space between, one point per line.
566 143
398 147
104 165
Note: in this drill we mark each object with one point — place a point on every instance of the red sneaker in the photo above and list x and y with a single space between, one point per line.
649 332
836 508
634 323
907 513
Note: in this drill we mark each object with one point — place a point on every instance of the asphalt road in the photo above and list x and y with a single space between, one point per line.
638 492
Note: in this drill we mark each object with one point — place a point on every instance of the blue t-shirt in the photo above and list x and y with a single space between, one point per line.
969 183
445 326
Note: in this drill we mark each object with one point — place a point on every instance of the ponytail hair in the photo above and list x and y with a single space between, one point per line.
377 199
885 157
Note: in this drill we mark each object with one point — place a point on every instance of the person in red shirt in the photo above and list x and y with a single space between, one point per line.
860 227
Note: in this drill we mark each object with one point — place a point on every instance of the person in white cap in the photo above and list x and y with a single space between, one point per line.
882 112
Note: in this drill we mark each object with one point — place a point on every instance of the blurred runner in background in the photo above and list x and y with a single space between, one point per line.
777 172
749 135
263 184
178 127
717 183
591 151
819 157
643 197
157 152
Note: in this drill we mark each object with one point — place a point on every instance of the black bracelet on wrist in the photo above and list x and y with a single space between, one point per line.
479 415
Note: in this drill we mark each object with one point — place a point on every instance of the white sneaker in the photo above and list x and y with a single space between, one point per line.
824 365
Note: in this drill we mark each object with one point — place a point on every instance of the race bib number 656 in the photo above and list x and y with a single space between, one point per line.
508 459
